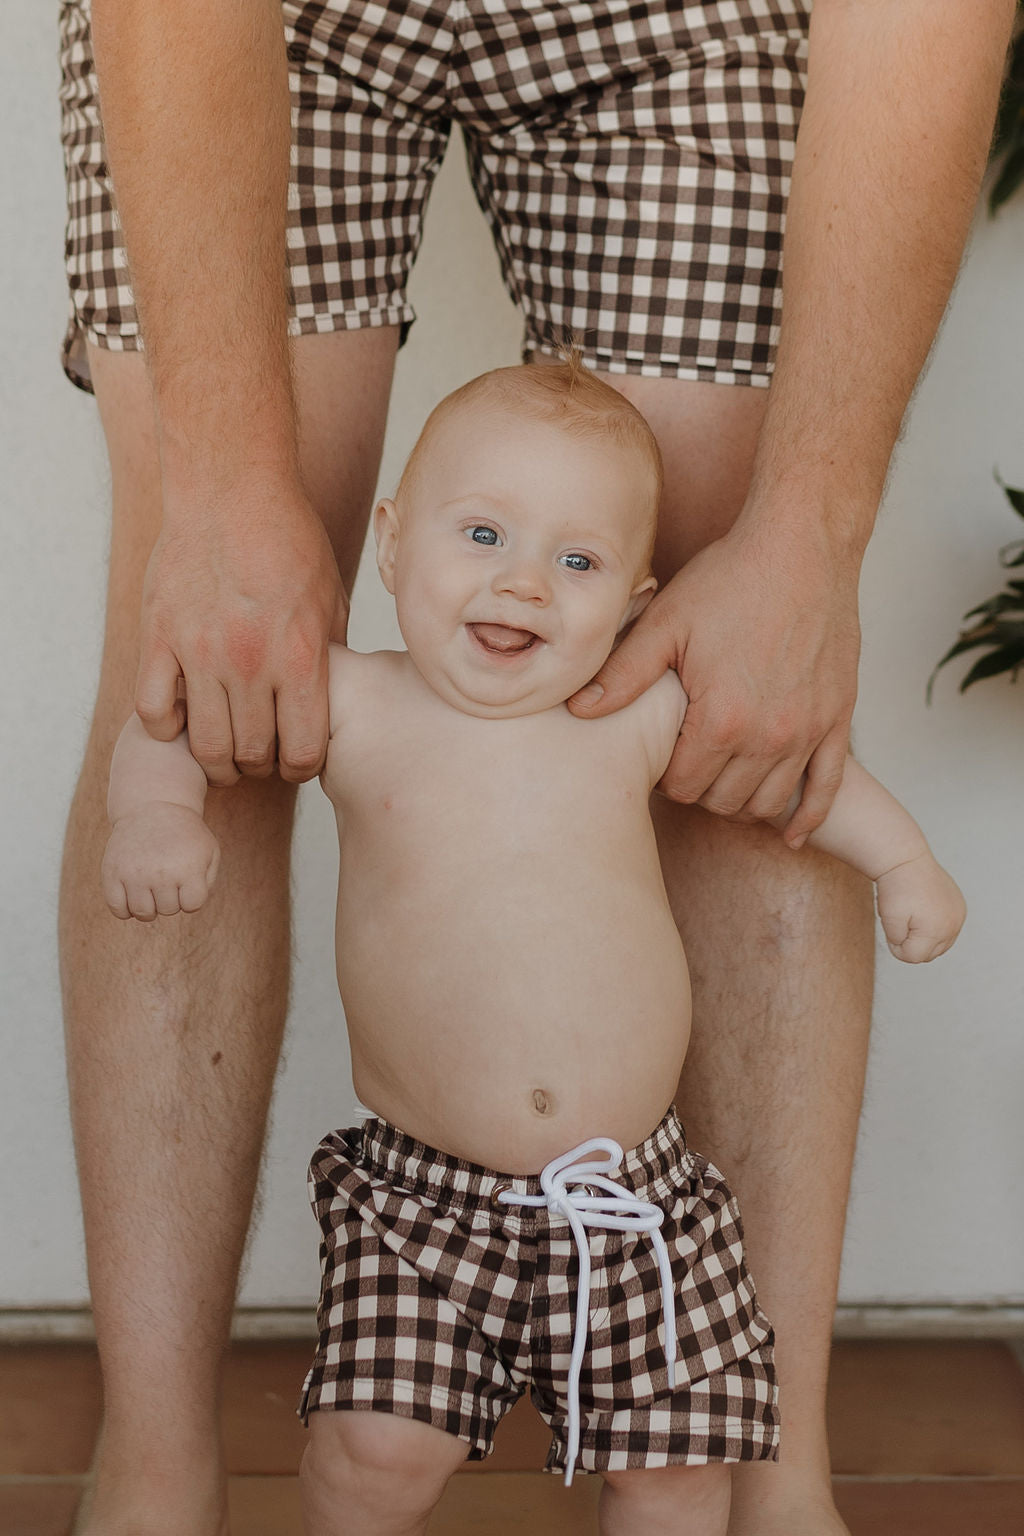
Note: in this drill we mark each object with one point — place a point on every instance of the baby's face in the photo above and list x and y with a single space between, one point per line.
515 557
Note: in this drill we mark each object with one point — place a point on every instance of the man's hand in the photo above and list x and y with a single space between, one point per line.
242 608
762 628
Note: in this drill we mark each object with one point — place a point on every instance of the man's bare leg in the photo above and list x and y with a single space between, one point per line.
781 949
174 1027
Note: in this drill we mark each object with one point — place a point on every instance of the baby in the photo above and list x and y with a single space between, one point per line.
516 995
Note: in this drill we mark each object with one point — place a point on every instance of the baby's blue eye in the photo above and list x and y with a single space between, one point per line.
577 562
481 534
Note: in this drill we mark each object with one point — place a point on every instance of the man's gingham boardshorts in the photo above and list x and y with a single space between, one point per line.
632 158
441 1304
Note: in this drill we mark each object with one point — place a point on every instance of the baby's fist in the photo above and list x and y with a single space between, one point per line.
921 907
159 860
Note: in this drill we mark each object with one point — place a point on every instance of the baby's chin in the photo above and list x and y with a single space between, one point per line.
507 698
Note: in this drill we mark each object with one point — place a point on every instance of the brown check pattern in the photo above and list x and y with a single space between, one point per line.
632 158
441 1305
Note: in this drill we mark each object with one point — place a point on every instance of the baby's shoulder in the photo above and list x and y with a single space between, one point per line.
357 680
656 718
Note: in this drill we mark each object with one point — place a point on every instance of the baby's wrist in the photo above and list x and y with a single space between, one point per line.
916 855
147 808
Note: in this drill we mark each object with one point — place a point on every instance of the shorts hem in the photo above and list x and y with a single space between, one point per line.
656 367
626 1461
73 354
328 320
324 323
436 1408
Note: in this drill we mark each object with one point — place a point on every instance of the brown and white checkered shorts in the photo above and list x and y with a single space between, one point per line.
442 1305
631 156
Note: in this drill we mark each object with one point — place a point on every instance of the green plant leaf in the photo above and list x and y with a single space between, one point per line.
1008 180
1003 602
1008 658
969 642
1013 494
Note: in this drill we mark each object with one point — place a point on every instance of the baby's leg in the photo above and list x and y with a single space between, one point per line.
367 1473
666 1501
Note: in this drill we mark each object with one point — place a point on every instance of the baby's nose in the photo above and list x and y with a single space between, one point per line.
525 579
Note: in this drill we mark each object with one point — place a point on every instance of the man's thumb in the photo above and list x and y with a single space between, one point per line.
156 694
629 671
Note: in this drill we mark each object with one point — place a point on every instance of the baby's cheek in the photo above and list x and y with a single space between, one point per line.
599 641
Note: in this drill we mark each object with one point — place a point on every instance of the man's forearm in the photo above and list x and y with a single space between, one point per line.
194 97
892 146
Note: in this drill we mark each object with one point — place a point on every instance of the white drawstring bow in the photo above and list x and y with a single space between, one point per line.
619 1210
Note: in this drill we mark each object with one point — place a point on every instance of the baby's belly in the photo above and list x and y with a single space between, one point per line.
467 1048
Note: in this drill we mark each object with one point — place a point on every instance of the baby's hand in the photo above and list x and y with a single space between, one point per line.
921 907
161 859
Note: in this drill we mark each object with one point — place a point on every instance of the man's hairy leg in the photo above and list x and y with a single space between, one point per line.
781 949
174 1027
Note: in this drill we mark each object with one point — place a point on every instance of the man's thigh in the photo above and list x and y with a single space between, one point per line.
708 436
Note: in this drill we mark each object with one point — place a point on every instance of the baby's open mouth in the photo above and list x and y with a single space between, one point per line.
502 639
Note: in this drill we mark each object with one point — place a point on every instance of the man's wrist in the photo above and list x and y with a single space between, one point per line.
809 515
228 453
196 496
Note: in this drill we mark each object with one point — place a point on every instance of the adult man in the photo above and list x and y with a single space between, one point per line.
232 485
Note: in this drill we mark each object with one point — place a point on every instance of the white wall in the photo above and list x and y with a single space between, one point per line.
939 1169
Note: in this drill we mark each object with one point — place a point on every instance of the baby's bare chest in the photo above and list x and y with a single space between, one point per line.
503 791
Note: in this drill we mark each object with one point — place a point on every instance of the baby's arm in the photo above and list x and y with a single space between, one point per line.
161 857
921 907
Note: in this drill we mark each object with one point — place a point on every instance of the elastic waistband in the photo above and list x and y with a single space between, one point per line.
653 1170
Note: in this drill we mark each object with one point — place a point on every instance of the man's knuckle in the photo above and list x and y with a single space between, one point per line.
769 807
680 791
303 752
746 816
779 736
725 729
300 759
149 708
722 805
245 646
832 776
302 656
255 755
216 753
261 770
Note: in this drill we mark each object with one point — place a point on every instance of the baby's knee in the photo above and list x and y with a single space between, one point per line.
688 1499
375 1463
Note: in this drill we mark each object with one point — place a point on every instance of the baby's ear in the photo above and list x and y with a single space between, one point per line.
385 531
639 598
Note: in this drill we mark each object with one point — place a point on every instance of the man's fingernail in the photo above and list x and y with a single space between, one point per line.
798 842
590 694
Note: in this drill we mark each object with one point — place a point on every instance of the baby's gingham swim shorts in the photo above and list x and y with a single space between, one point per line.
443 1304
632 158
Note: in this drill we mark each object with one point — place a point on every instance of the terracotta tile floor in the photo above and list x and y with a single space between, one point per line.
927 1440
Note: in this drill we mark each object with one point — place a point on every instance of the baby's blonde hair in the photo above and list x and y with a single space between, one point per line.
568 395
